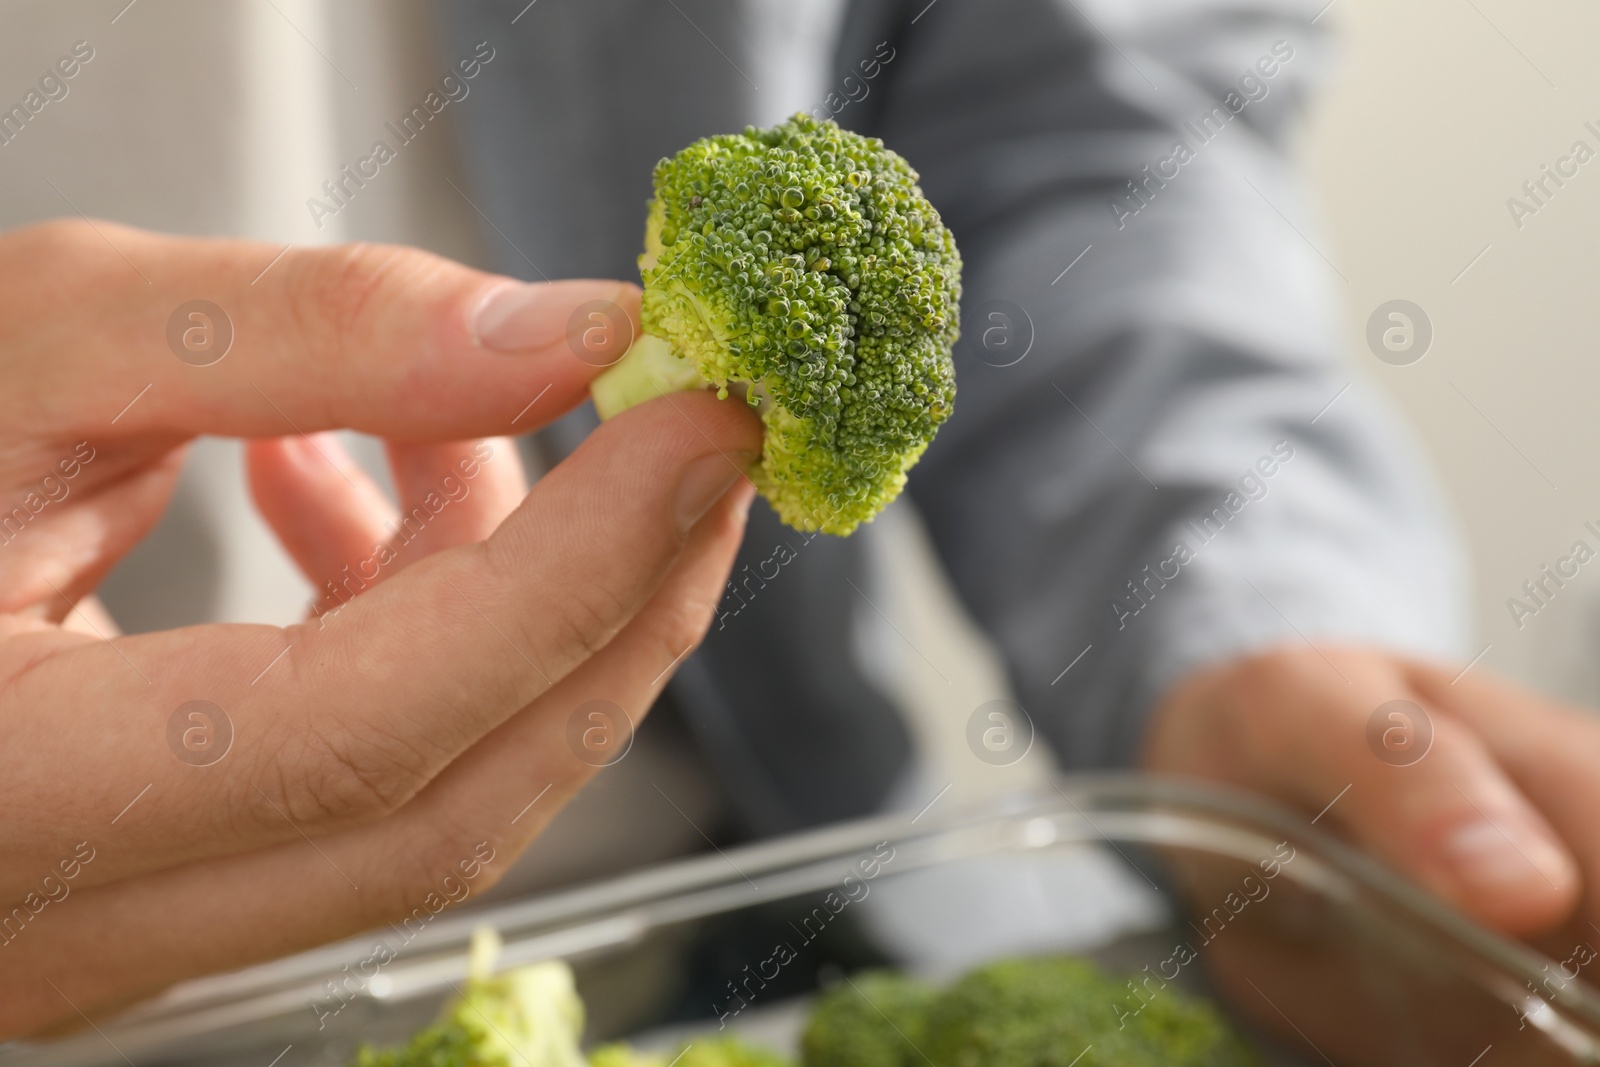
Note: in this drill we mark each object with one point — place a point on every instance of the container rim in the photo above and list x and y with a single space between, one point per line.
1108 808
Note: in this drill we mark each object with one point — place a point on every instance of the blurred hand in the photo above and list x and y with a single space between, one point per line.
1496 817
380 757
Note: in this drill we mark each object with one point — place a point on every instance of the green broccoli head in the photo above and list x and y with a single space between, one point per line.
729 1052
622 1054
802 267
445 1044
724 1051
877 1019
1046 1012
702 1052
529 1017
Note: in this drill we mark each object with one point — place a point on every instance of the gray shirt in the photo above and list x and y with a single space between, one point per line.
1158 458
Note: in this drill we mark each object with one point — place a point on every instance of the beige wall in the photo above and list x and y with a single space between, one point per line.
1440 110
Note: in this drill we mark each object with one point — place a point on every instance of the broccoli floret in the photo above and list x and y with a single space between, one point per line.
445 1044
877 1019
1059 1012
802 267
708 1052
529 1017
1046 1012
729 1052
621 1054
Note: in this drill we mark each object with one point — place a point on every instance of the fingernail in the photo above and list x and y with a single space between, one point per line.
744 495
703 483
1492 856
522 317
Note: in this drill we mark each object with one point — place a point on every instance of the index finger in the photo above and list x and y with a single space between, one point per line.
152 334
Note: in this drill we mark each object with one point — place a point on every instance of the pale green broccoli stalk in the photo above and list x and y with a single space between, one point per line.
877 1019
529 1017
801 267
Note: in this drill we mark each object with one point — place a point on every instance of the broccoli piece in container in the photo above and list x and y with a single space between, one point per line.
1051 1012
529 1017
729 1052
801 267
533 1017
621 1054
877 1019
1047 1012
445 1044
708 1052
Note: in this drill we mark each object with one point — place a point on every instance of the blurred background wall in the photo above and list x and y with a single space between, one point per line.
1438 113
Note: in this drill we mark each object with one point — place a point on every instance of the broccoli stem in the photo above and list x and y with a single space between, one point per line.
647 370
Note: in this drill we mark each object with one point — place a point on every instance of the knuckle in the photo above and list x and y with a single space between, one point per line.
684 623
63 236
1455 743
68 252
337 294
587 619
1281 670
352 773
475 600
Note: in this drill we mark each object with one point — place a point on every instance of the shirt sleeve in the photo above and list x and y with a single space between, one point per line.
1159 458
